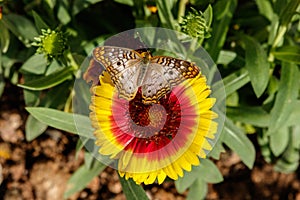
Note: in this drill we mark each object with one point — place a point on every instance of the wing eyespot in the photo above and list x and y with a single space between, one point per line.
119 63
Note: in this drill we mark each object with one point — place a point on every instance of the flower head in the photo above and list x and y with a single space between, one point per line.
51 43
151 142
196 24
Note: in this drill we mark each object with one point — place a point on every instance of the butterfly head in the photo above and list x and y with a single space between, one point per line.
146 56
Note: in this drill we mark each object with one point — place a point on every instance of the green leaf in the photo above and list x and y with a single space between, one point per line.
289 161
273 85
264 142
4 38
49 81
63 121
265 8
235 81
165 14
2 86
249 115
62 14
232 99
295 139
286 97
257 64
236 140
88 159
53 67
2 81
288 54
82 177
217 149
287 167
226 57
232 83
34 128
31 98
21 27
80 5
279 141
188 179
198 190
126 2
133 191
209 172
273 30
79 145
51 3
82 97
208 15
90 45
295 115
223 13
206 171
288 11
39 22
36 64
279 5
57 96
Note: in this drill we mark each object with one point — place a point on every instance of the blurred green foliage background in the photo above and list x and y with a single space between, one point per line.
255 44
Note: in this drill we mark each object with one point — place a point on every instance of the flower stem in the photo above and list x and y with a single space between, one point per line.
72 61
181 10
279 36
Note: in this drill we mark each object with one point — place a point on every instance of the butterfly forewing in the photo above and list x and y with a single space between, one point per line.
123 65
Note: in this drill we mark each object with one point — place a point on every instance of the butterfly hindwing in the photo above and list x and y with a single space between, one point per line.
154 85
176 70
126 83
163 74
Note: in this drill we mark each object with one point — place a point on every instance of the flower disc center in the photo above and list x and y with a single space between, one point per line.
154 121
146 119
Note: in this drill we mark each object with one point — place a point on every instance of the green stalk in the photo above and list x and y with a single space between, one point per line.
181 10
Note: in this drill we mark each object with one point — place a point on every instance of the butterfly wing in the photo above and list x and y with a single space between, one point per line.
176 70
154 85
123 65
163 74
